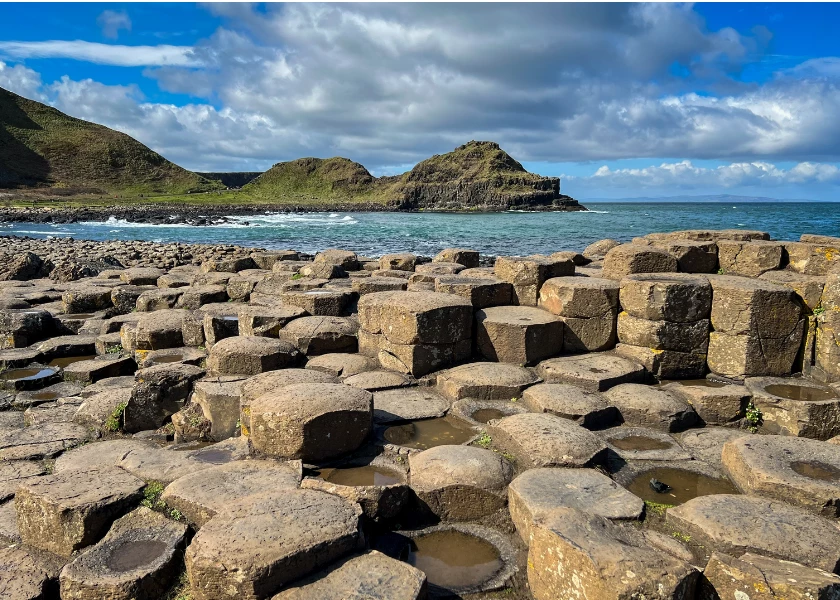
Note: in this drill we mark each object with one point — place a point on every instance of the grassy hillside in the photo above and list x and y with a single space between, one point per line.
41 146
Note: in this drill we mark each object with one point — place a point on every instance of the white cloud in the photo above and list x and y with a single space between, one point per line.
687 176
111 22
103 54
21 81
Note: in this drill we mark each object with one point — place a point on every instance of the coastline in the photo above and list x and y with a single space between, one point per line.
202 214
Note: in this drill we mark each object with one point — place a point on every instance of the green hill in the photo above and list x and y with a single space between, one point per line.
43 147
314 179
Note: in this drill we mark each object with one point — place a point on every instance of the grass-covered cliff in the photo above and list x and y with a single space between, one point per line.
43 147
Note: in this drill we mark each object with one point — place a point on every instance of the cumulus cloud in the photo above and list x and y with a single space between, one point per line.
111 22
390 84
685 175
21 81
103 54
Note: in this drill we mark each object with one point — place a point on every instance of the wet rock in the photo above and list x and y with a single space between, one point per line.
50 393
244 355
651 407
311 421
642 443
739 524
460 483
518 334
544 440
591 372
137 560
372 575
64 512
200 496
537 492
573 553
796 407
589 409
253 548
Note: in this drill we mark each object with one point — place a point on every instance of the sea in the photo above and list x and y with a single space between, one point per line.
426 233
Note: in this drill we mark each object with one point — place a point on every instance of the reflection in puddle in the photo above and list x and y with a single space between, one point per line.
65 361
816 470
428 433
452 559
684 484
695 382
133 555
485 415
28 374
639 442
166 358
360 476
799 392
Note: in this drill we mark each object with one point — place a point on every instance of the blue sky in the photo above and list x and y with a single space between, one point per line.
621 100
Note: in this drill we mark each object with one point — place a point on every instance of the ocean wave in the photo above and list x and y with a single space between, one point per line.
286 219
36 232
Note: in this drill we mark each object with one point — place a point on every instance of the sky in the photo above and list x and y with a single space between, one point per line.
619 100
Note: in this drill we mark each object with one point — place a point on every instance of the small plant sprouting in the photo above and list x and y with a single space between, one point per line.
721 271
151 496
656 508
297 276
176 514
509 457
484 440
681 536
114 349
514 399
115 421
819 310
754 417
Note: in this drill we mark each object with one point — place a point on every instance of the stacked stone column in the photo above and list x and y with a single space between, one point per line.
664 323
827 344
588 307
758 327
415 332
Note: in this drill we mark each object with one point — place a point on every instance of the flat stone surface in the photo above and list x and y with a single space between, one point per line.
24 575
813 411
200 496
311 421
339 364
714 405
486 381
66 511
408 405
761 578
157 464
736 524
589 409
12 473
543 440
256 546
537 492
96 410
648 406
641 443
250 355
706 444
518 334
372 576
482 291
50 393
593 372
575 554
138 558
460 483
97 454
40 441
798 471
378 380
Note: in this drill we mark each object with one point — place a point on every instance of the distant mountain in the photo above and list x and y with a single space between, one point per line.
475 176
41 146
722 198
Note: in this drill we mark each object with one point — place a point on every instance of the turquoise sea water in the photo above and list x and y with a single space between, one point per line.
496 233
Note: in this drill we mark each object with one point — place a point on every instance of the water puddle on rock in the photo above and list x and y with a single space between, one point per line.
452 559
485 415
685 485
79 317
133 555
816 470
28 374
360 476
639 443
799 392
65 361
214 456
428 433
45 396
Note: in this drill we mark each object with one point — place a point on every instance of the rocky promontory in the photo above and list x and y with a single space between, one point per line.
654 419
